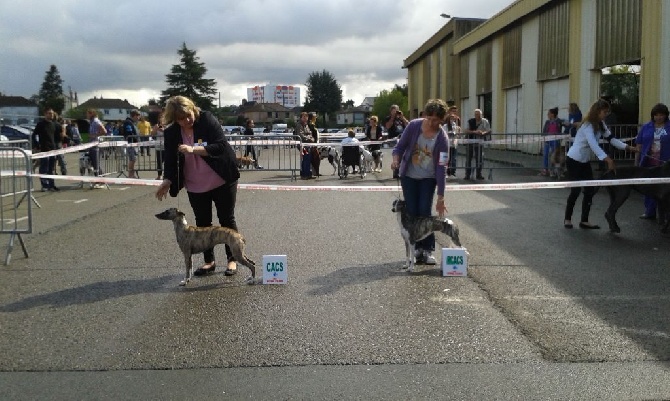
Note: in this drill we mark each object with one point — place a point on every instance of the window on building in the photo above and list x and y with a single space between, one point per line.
106 112
269 114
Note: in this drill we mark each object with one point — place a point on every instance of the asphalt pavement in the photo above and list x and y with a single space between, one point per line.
545 312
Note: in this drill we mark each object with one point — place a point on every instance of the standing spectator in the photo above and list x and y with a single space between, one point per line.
144 127
198 157
303 131
552 126
453 128
478 128
129 133
60 139
251 149
157 131
420 154
578 160
374 132
316 158
46 131
95 130
653 149
395 124
73 132
574 120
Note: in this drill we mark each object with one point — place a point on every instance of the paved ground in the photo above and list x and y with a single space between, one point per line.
545 313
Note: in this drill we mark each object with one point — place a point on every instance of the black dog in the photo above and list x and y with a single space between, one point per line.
619 193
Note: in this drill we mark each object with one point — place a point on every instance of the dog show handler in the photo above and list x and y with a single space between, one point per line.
198 157
421 155
578 160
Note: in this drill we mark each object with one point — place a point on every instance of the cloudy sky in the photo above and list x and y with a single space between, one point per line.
124 49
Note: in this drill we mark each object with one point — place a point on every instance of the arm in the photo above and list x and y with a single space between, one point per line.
401 147
440 172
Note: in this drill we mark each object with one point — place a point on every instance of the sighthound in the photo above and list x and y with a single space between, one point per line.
416 228
198 239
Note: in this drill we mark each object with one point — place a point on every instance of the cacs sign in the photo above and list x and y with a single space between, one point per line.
454 262
275 269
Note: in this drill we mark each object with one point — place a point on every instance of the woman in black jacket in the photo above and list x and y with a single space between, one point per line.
198 157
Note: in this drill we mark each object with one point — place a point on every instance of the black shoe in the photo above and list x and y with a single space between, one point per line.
55 189
204 272
466 178
480 178
589 226
645 217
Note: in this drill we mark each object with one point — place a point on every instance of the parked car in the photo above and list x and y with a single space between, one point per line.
3 138
14 132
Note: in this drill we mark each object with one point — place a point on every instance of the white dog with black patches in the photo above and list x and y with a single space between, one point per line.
332 154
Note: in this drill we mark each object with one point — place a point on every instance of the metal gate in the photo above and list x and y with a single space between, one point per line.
16 216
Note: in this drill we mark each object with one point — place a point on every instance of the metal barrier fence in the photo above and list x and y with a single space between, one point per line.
16 216
271 152
147 152
518 150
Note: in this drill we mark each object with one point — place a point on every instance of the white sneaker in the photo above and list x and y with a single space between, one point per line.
98 186
429 258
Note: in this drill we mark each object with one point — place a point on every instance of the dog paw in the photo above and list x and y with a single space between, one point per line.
251 280
183 283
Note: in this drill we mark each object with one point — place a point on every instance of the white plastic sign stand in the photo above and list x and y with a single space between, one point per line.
454 262
275 269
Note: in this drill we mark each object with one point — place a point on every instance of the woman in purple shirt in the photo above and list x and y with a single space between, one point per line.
653 146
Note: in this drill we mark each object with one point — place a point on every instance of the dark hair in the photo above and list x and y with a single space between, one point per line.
660 108
574 108
435 107
593 116
554 111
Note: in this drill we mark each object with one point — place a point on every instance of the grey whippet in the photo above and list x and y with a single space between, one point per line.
416 228
198 239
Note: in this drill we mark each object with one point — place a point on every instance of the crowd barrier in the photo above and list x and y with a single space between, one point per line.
16 216
148 152
272 152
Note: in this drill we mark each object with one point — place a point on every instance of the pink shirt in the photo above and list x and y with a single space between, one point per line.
198 176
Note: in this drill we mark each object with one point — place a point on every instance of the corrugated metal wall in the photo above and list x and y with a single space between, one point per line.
484 68
464 71
618 32
511 68
554 43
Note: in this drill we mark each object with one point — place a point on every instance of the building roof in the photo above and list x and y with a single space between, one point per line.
352 110
264 107
16 101
101 103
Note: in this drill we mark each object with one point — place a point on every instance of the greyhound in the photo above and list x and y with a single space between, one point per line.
416 228
198 239
619 193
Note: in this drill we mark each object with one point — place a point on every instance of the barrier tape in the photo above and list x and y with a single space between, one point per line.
369 188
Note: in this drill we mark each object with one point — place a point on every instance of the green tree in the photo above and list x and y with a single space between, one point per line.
187 79
621 86
385 99
324 94
51 92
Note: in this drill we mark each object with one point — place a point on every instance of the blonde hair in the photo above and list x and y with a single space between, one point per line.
178 107
375 119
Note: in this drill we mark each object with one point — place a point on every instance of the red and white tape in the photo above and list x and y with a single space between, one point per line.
368 188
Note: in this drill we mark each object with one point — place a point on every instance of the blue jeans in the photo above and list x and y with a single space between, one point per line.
47 165
418 196
549 147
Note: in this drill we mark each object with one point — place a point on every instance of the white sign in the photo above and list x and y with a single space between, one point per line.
275 269
454 262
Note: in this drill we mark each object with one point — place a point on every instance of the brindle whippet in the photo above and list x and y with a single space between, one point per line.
198 239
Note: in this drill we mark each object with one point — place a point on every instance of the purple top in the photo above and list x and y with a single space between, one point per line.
408 141
646 139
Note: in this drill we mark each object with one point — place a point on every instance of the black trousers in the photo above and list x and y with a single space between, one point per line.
579 172
473 150
224 198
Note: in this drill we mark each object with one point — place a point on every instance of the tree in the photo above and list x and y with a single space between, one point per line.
187 79
621 86
51 92
348 104
324 94
385 99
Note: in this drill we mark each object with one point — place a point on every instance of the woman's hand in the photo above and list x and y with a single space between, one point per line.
163 189
440 207
185 149
610 164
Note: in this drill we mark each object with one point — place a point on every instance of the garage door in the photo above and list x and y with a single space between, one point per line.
555 93
513 111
